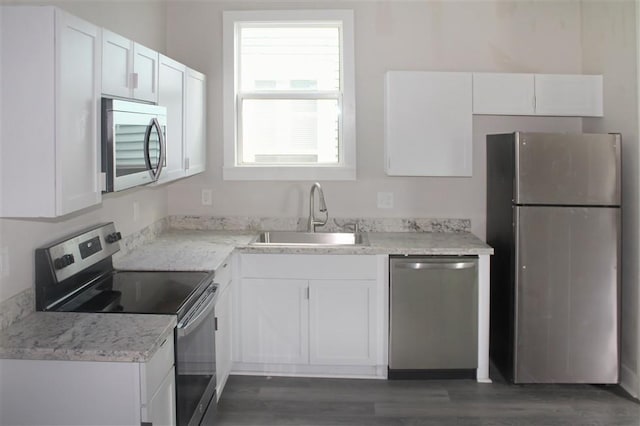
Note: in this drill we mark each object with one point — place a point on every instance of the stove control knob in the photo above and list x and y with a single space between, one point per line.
64 261
113 237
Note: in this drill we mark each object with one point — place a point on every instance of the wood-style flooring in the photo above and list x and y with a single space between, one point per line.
284 401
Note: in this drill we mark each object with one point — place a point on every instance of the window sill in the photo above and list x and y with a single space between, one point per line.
288 173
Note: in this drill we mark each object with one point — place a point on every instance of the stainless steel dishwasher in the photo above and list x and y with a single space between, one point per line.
433 330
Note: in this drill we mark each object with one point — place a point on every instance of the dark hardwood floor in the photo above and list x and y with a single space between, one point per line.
304 402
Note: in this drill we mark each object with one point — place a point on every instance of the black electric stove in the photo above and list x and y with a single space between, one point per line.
76 274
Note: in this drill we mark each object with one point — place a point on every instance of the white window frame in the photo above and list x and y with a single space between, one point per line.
346 167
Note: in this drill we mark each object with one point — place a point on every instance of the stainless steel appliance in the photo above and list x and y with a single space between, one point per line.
133 143
553 219
433 327
76 274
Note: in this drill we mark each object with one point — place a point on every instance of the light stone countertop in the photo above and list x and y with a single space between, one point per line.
135 338
194 250
183 250
86 337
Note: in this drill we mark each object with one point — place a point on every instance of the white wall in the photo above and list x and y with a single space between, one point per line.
610 48
19 238
389 35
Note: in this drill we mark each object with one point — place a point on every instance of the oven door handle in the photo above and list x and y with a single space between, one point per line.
202 308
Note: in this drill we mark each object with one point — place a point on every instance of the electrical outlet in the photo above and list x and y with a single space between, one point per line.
207 198
385 200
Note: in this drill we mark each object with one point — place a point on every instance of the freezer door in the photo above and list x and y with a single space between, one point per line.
567 169
566 301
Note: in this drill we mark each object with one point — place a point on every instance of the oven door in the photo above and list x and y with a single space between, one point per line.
196 361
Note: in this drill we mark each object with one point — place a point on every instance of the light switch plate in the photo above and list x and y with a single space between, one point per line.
385 200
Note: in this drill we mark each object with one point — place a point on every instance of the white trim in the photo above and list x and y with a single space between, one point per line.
483 319
288 173
346 169
629 381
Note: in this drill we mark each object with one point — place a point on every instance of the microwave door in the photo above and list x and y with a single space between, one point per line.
154 148
130 168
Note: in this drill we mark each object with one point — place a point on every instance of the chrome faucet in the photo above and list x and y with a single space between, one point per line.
313 222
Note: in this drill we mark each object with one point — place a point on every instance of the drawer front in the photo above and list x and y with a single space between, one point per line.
156 369
222 275
302 266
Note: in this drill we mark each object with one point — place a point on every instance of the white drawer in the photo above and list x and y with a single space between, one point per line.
223 274
304 266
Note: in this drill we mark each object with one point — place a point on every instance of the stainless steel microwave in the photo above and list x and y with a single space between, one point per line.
133 143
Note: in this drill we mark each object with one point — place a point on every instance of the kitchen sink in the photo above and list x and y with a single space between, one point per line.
293 238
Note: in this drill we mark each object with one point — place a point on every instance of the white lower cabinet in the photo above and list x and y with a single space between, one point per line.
161 409
274 321
46 392
310 315
342 322
223 310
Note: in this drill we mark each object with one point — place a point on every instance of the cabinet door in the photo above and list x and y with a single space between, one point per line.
342 322
195 132
503 94
161 409
569 95
145 73
223 337
117 55
428 118
77 97
274 321
171 84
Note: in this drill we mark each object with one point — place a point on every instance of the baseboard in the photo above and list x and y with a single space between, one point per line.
295 370
629 381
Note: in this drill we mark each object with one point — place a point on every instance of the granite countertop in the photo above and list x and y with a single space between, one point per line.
86 337
135 338
183 250
206 250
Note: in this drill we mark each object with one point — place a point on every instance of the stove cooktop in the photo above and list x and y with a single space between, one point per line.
139 292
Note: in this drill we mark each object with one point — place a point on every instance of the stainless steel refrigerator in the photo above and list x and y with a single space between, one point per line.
553 218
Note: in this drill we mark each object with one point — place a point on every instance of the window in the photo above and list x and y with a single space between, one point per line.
289 102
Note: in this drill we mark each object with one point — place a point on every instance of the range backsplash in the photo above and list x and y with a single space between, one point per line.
247 223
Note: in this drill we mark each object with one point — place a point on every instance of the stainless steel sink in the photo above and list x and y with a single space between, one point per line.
293 238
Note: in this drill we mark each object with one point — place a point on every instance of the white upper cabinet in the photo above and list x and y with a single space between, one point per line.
117 54
569 95
428 118
171 94
145 73
195 119
537 94
503 94
129 69
49 133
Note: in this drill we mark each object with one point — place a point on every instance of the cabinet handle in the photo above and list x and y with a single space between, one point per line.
307 293
434 265
134 80
215 324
